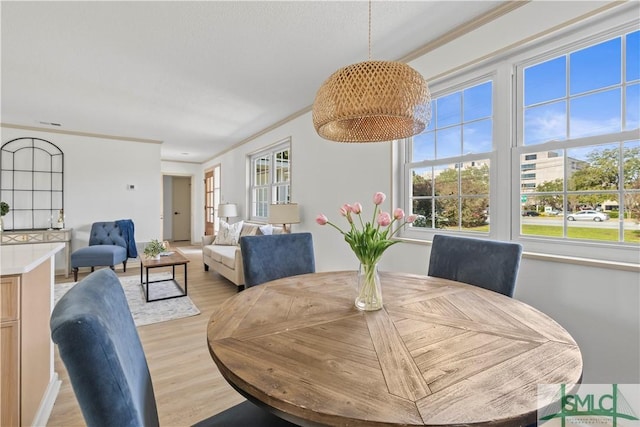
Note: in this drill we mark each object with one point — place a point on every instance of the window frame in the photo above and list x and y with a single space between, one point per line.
505 172
212 191
565 45
273 178
443 87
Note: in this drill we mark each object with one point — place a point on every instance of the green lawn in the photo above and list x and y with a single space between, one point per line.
587 233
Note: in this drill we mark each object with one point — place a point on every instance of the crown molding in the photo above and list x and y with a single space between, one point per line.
78 133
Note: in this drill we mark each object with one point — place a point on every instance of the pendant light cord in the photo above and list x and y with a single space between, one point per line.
369 30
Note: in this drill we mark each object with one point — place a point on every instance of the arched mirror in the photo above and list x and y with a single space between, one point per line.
32 183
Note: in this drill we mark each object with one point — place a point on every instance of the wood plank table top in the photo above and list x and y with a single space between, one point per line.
176 258
439 353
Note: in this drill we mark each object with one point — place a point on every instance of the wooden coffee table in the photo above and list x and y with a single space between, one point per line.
176 258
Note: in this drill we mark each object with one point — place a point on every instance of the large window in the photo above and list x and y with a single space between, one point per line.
270 179
448 164
539 146
578 125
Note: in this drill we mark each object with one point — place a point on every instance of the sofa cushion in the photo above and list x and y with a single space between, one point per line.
98 255
212 252
227 255
228 233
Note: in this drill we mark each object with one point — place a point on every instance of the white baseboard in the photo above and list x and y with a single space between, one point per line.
46 404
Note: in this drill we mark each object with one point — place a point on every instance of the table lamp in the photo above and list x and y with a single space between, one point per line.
284 214
227 210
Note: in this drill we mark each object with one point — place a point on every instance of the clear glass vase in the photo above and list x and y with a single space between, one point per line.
369 290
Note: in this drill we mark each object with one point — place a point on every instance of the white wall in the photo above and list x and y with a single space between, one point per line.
599 307
96 174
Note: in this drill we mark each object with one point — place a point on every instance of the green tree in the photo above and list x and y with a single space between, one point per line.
603 173
422 207
474 181
631 167
552 189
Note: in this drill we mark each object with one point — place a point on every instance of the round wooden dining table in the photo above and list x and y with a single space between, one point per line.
439 353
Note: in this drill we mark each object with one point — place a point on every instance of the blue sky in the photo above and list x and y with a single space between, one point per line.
592 93
467 112
587 83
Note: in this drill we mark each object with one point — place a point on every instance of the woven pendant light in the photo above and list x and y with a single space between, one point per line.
372 101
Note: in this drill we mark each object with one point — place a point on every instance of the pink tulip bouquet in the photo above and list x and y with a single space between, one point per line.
369 240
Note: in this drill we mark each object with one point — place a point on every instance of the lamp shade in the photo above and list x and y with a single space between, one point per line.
227 210
284 214
372 101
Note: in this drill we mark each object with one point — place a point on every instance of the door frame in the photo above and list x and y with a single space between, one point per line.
167 212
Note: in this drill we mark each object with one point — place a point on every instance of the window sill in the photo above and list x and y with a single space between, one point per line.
588 262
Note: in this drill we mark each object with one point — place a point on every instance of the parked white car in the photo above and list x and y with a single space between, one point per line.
587 216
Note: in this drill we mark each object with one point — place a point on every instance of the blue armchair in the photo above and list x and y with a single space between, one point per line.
110 243
266 258
489 264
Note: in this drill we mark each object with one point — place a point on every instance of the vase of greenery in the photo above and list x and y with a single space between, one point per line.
4 209
154 249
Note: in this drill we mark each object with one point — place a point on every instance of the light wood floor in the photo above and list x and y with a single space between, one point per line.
186 381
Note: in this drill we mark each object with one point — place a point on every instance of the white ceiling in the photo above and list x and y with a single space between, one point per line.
198 76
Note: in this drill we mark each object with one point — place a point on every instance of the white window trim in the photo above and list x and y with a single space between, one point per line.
586 35
271 150
216 189
505 165
440 88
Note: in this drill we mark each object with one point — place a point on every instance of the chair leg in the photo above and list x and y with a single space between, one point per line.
93 269
75 274
111 267
124 266
206 267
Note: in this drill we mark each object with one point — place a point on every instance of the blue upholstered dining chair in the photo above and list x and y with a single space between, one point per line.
110 243
272 257
99 344
489 264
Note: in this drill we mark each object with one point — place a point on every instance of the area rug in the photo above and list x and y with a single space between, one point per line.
146 313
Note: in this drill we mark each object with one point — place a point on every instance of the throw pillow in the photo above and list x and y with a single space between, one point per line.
249 230
266 230
228 234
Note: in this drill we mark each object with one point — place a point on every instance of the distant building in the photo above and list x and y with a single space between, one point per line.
545 166
609 205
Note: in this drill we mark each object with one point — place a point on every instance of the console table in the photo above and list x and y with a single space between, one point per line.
20 237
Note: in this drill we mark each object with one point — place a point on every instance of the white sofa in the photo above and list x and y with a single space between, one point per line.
227 259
